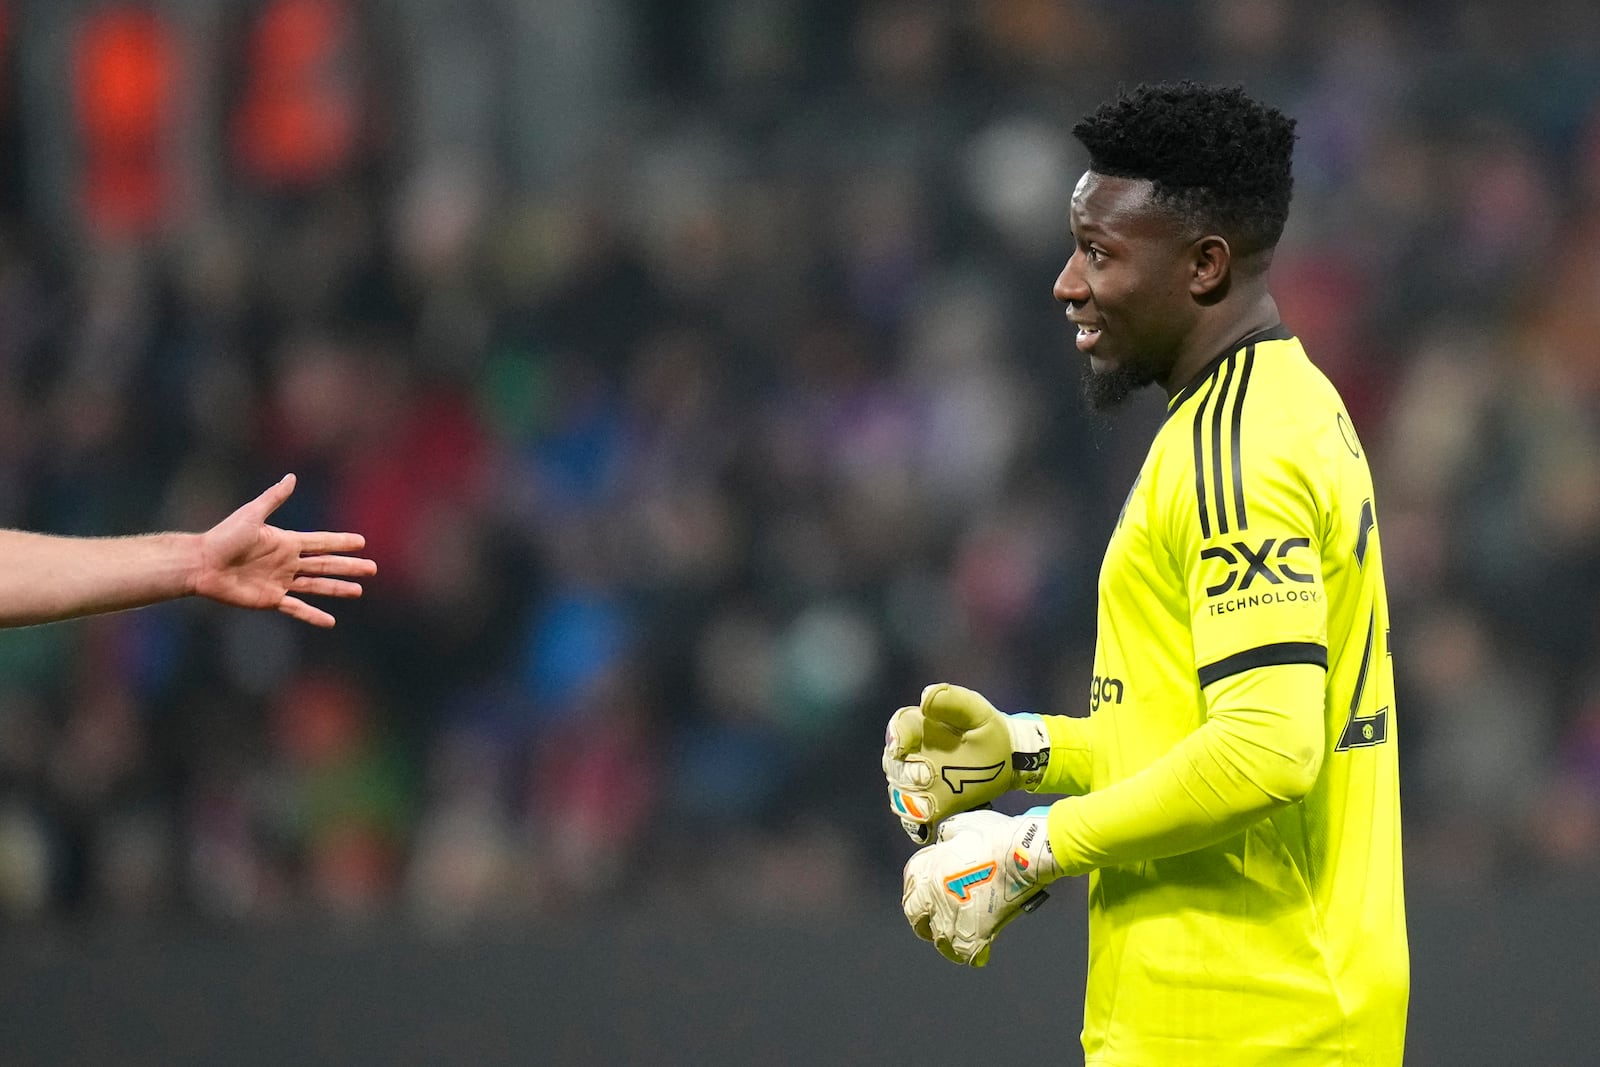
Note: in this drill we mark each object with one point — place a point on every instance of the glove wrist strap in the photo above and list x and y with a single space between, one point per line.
1032 842
1030 749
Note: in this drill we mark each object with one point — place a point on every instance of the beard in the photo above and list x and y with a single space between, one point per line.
1104 390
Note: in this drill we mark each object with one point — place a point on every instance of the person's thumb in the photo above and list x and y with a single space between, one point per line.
904 733
957 708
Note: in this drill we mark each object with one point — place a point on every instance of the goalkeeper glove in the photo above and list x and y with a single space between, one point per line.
986 869
955 752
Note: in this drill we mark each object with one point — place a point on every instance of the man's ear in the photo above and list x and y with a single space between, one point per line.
1210 267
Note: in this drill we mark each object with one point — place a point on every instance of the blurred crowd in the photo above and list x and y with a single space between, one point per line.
693 372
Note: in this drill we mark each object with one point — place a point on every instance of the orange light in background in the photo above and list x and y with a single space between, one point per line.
126 67
296 125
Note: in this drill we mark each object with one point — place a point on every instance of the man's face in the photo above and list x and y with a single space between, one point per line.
1126 286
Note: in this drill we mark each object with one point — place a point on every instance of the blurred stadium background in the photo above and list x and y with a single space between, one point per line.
692 369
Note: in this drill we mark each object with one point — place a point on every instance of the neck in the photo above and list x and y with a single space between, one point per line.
1210 337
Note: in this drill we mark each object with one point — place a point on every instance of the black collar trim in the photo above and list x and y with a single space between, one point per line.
1275 332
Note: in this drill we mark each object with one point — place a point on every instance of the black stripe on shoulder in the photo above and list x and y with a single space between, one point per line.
1200 460
1238 420
1216 446
1265 656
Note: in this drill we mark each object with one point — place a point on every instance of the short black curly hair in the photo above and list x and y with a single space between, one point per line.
1217 158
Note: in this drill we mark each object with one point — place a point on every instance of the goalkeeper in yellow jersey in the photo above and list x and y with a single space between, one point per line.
1232 793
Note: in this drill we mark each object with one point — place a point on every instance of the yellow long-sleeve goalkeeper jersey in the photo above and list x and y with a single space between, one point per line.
1235 785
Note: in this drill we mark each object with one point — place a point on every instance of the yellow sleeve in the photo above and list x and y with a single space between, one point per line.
1247 543
1260 748
1071 755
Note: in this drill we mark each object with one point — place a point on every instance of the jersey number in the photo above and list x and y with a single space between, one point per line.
1362 731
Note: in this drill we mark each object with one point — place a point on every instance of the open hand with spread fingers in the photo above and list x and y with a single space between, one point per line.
247 563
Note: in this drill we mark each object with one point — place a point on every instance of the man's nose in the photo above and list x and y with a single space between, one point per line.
1069 287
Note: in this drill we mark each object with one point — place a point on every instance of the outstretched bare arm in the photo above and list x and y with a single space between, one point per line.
241 561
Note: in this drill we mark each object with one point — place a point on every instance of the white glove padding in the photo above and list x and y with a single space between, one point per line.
986 870
955 752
